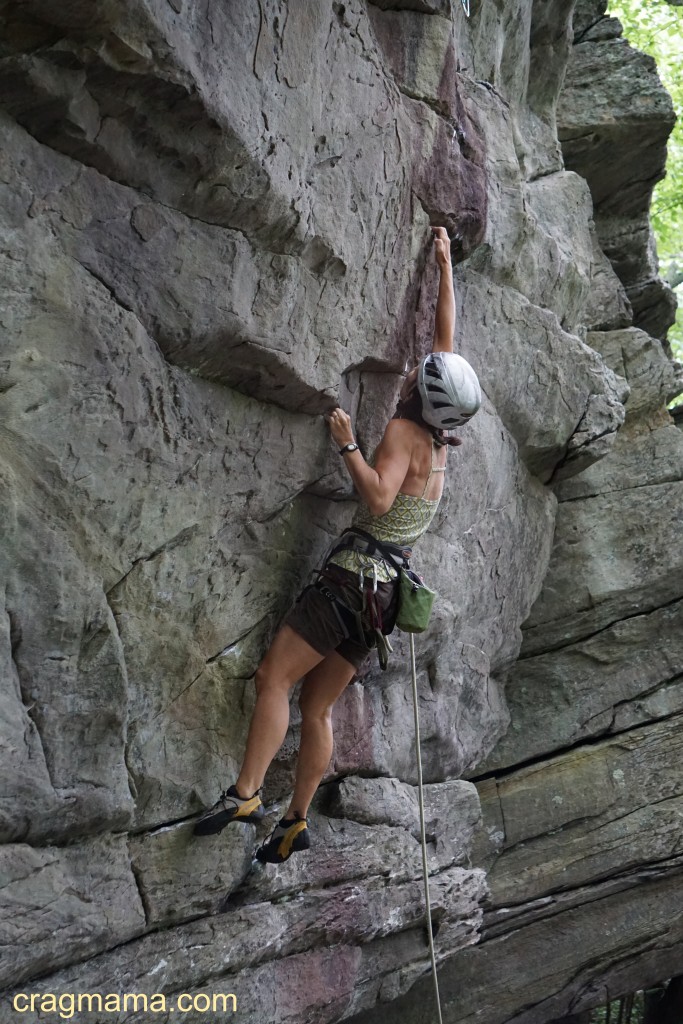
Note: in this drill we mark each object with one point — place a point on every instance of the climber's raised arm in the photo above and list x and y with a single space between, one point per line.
444 321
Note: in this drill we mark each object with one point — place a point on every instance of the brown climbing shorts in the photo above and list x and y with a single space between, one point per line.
313 616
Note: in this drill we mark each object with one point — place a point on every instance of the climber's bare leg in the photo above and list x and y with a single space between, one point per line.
288 659
322 686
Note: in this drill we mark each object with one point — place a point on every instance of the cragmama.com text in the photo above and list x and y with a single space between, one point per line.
67 1005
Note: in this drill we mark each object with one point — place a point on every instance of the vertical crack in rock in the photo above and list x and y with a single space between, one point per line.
139 882
15 638
132 789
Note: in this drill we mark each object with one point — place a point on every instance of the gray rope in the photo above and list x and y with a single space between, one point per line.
423 835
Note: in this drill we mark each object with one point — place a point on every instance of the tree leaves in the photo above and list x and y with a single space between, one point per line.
657 28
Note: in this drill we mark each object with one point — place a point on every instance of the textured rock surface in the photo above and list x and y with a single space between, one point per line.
59 905
613 103
214 222
574 950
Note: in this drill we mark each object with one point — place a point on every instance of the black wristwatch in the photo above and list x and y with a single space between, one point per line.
352 447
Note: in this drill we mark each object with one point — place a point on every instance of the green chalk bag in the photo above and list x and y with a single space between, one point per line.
415 602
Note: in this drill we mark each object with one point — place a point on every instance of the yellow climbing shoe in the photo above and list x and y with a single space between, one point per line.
287 837
229 807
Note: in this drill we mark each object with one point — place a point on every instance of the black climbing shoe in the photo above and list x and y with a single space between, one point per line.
287 837
230 807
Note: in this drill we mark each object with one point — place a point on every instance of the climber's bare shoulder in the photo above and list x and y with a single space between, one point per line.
407 448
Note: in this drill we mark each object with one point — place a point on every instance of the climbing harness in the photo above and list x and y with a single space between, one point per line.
423 835
466 7
412 605
366 624
355 539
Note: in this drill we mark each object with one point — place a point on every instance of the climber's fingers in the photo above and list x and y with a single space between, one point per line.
340 426
442 245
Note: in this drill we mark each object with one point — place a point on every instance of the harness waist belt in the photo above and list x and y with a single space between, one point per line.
358 540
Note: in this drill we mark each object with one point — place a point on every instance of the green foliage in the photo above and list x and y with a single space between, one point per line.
627 1010
656 28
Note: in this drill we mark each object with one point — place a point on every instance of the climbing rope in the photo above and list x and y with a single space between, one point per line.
423 835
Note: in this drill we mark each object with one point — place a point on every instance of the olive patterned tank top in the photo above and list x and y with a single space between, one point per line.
407 519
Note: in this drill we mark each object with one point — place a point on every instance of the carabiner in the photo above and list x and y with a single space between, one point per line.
466 7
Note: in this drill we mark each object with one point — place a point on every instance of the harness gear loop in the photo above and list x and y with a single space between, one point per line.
423 835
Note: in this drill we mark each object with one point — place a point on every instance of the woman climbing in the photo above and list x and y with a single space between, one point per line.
352 604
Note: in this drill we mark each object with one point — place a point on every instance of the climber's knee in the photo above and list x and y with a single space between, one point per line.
268 681
289 658
311 706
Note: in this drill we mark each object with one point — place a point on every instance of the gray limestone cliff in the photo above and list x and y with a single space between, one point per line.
214 221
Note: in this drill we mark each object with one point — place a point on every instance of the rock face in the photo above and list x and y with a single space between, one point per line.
613 104
215 222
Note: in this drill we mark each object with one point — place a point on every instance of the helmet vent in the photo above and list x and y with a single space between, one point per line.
449 390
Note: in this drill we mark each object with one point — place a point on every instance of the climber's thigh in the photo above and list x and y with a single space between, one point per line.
288 659
324 684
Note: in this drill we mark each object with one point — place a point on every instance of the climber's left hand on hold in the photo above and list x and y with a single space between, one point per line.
340 427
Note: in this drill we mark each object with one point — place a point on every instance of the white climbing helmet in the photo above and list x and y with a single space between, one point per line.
449 390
